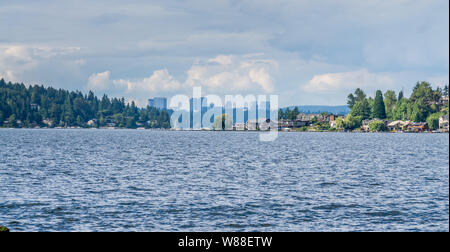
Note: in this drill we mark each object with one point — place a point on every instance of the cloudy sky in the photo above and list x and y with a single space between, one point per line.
307 52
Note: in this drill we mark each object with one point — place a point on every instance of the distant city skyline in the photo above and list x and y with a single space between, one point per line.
306 52
158 102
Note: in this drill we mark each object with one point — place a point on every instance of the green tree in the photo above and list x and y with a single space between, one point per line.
425 93
222 122
390 100
444 109
362 109
280 114
401 110
349 123
378 109
292 114
433 120
377 126
340 123
351 101
359 95
419 110
79 121
400 95
131 123
12 121
68 112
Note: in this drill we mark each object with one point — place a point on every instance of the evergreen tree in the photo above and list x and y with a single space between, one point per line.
351 101
378 109
294 113
400 95
280 114
359 95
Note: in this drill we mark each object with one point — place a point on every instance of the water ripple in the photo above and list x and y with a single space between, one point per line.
125 180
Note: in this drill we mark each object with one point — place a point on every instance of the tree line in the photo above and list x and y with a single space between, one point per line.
22 106
424 105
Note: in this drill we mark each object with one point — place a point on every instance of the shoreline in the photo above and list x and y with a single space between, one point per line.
261 131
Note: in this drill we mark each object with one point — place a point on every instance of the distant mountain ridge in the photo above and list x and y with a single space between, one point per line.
317 109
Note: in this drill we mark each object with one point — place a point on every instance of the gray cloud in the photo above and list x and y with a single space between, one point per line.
307 39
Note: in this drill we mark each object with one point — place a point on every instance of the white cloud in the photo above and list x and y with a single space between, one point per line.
347 80
228 73
137 90
159 81
224 73
99 81
17 61
222 59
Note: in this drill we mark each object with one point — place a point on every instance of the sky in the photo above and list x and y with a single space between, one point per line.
306 52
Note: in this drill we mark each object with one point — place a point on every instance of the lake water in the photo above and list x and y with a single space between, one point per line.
128 180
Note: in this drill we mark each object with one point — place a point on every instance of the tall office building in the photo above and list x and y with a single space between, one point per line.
158 102
198 106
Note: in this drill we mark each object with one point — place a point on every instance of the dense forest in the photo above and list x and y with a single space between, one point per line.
424 105
39 106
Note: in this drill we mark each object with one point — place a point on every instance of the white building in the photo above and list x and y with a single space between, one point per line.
443 123
261 124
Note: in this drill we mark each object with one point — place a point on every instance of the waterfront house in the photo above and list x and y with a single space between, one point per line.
310 117
397 126
239 126
306 117
333 118
252 124
418 127
288 124
48 122
303 117
261 124
91 123
365 125
443 123
333 124
291 124
300 123
443 101
267 124
34 107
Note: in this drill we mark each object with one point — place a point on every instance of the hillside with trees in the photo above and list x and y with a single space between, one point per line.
32 106
424 105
